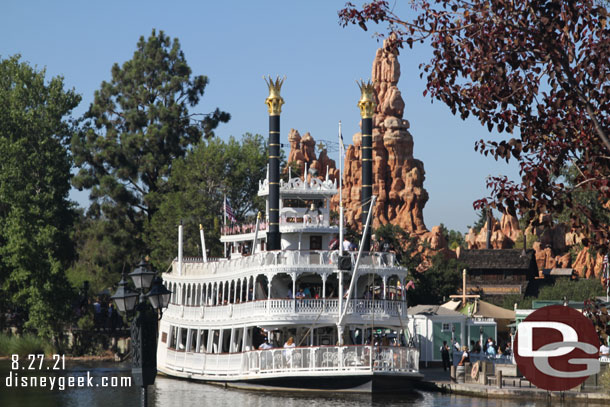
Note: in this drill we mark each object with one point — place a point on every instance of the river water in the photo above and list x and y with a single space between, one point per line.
170 392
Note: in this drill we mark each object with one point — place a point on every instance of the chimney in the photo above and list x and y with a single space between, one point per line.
274 103
367 109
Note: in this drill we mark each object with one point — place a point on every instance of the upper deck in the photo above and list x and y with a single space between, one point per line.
280 261
314 188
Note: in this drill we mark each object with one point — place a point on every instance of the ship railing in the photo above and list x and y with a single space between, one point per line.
277 307
292 360
332 358
294 258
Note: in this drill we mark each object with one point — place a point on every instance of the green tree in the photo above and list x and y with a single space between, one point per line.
402 243
105 248
137 125
454 238
440 281
36 217
579 290
480 222
198 184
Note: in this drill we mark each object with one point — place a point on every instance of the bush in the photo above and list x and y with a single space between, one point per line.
24 345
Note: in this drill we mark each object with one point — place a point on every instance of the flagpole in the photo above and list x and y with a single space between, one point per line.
224 213
340 193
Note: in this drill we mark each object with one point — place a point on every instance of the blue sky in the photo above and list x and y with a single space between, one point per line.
235 43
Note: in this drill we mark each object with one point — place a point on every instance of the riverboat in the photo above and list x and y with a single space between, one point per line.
284 311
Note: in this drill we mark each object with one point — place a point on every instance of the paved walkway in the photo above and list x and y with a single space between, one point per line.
435 379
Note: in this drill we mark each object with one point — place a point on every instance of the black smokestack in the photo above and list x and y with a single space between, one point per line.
367 109
274 103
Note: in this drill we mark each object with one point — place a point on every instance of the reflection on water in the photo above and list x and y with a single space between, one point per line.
171 392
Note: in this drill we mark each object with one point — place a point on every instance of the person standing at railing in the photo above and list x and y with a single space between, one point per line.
604 350
289 346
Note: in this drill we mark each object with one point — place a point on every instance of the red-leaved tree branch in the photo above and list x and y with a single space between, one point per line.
538 70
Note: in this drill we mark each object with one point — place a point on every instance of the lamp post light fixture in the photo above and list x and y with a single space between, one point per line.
144 321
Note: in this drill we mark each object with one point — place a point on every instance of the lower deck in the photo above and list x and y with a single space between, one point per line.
355 368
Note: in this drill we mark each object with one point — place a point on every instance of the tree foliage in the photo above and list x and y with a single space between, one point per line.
36 216
197 187
437 283
454 238
537 68
137 125
402 243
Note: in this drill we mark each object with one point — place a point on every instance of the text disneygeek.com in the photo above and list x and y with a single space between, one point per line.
22 375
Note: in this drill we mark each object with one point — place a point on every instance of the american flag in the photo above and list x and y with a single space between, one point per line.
229 211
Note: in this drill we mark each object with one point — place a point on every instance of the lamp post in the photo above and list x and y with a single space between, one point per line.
144 321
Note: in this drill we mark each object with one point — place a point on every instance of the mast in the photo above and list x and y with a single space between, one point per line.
274 103
367 109
341 149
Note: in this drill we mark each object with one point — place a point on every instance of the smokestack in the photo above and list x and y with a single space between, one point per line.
367 109
274 103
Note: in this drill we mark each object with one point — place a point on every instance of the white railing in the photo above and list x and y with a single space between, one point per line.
294 360
288 307
290 258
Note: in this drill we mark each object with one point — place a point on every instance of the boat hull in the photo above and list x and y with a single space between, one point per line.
361 382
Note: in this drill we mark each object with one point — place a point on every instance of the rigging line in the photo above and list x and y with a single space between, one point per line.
311 327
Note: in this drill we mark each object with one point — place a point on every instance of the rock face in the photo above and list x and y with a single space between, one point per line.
398 176
303 151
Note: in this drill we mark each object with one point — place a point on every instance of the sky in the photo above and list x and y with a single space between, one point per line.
235 43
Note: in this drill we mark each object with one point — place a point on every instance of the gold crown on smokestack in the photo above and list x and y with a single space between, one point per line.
274 101
367 99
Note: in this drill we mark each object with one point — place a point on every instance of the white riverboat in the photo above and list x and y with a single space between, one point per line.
221 310
281 311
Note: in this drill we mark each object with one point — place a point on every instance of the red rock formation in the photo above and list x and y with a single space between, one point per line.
588 266
399 177
509 225
303 151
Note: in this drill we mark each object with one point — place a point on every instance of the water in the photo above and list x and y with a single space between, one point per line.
171 392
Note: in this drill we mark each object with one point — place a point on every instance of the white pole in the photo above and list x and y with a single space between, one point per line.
354 273
258 218
340 192
180 249
224 214
205 257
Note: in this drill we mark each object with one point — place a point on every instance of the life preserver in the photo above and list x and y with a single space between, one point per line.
474 373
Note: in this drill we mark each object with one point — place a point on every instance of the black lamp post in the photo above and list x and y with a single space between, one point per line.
144 322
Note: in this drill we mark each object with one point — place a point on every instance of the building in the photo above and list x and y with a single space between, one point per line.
492 272
430 325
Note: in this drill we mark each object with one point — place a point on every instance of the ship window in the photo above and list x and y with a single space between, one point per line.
226 340
315 243
193 343
445 327
182 339
203 341
172 337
